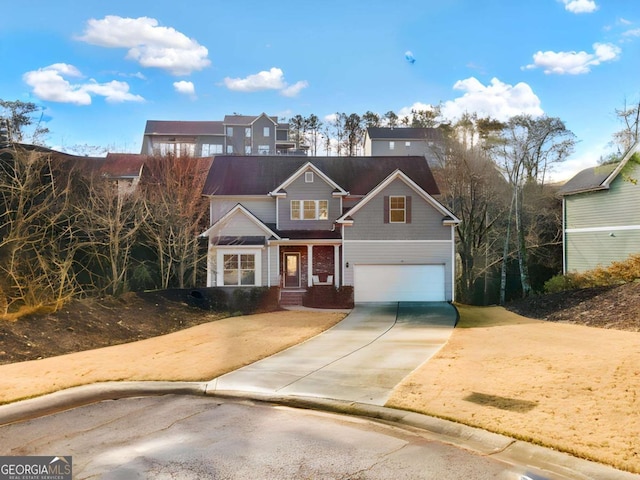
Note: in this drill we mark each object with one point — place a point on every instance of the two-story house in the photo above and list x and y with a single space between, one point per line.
404 141
601 218
235 135
293 222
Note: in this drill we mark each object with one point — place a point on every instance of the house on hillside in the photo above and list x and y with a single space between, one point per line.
235 135
601 214
295 222
404 141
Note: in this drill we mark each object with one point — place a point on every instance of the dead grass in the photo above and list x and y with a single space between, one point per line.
199 353
568 387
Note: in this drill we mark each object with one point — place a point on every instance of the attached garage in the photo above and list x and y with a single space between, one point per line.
399 283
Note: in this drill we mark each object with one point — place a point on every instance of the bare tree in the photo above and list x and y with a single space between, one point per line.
39 231
112 220
22 122
629 115
530 146
176 215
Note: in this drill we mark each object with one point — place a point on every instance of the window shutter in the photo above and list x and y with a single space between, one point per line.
408 206
386 209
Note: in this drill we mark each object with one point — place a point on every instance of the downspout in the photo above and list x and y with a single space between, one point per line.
453 263
564 236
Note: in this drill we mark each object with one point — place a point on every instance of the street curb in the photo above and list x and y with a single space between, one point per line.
501 447
87 394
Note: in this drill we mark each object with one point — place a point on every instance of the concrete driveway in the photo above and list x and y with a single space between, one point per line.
360 359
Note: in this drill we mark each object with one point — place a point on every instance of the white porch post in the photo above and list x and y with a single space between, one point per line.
309 265
336 265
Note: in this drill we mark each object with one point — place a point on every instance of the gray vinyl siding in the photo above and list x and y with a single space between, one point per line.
300 190
426 221
258 138
241 226
605 211
588 250
418 147
264 209
616 206
398 253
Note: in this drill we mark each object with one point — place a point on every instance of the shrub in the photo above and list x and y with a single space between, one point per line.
617 273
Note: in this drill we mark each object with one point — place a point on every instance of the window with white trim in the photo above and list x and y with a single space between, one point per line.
264 149
392 145
397 210
309 209
247 149
239 269
229 148
209 149
266 132
308 177
229 131
247 132
407 144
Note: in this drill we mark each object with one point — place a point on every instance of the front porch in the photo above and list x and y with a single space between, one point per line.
304 266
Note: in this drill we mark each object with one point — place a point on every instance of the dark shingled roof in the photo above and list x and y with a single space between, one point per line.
259 175
174 127
122 164
588 179
404 133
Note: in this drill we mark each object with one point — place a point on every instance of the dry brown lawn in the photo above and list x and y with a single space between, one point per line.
569 387
199 353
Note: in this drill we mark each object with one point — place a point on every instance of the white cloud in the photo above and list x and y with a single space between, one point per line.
295 89
497 100
186 88
574 63
265 80
580 6
632 33
148 44
49 83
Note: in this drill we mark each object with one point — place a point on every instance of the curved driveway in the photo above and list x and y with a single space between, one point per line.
360 359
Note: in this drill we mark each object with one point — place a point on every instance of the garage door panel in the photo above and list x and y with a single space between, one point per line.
399 283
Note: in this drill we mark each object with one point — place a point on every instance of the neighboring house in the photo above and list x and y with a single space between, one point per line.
235 135
124 169
294 222
403 141
601 214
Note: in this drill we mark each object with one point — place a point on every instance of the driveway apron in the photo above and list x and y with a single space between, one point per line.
360 359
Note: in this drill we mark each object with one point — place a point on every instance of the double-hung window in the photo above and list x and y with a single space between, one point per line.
309 209
239 269
397 210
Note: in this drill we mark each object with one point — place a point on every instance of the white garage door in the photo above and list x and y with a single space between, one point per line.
399 283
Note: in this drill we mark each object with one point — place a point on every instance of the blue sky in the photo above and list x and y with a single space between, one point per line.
100 70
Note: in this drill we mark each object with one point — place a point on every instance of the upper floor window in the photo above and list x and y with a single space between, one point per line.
397 209
309 209
247 150
266 131
175 148
229 148
308 177
247 132
392 145
407 144
229 131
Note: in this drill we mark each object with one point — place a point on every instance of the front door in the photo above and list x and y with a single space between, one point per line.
292 270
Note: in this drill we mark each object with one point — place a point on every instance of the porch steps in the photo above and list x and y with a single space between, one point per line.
291 298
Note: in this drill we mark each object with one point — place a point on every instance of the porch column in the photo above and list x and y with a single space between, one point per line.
336 265
309 265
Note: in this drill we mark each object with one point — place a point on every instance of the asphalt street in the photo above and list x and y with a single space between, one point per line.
188 437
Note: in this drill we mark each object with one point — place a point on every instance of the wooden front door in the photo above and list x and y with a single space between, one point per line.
292 270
